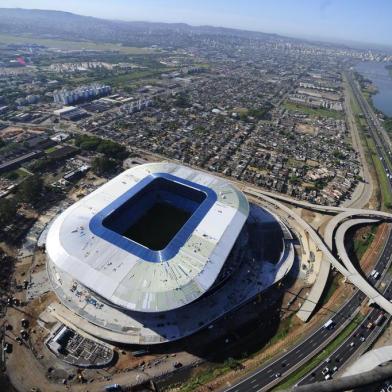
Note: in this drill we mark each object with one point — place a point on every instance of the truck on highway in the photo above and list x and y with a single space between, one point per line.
369 325
375 274
329 324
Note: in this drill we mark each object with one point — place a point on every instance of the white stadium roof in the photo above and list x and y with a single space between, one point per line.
134 277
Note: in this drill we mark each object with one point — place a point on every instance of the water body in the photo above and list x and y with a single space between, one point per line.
381 78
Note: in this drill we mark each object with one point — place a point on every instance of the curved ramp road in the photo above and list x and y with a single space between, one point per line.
264 378
269 375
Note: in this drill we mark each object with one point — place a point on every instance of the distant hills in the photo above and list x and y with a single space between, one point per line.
66 25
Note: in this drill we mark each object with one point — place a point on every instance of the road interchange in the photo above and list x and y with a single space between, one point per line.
266 377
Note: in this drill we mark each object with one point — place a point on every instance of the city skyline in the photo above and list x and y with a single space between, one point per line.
347 22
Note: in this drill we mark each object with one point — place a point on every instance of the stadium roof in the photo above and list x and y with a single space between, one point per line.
129 274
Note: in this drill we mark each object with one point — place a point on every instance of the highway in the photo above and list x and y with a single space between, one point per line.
346 350
353 342
351 345
262 378
359 337
269 375
380 137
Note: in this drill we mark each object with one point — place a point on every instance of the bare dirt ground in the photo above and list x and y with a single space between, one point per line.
385 339
299 330
26 370
305 129
370 256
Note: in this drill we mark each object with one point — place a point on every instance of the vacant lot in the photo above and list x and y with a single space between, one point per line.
313 112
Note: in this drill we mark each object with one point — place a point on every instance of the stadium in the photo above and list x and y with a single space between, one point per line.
161 251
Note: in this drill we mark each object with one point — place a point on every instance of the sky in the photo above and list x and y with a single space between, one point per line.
365 21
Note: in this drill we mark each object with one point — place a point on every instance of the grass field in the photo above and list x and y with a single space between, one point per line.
209 374
17 174
354 105
362 243
332 286
382 177
72 45
315 361
313 112
371 152
50 149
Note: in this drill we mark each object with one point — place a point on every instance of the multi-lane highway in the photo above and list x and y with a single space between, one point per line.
349 347
381 139
270 374
362 333
262 378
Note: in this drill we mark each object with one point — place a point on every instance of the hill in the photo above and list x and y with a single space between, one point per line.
69 26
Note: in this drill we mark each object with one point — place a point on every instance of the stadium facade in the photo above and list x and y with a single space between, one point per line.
160 246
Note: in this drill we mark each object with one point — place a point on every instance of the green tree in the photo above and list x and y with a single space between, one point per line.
261 113
103 165
182 100
107 147
338 154
233 363
29 191
112 149
8 208
40 165
86 142
12 175
243 116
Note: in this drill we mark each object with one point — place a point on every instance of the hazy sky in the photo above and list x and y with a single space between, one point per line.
351 20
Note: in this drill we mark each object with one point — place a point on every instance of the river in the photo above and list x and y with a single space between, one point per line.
381 78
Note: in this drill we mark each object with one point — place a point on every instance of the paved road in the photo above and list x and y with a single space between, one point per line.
345 352
267 376
363 192
263 377
355 278
351 345
380 137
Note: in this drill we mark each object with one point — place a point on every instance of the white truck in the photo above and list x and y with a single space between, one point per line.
329 324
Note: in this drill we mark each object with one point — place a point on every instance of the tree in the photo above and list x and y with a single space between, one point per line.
112 149
243 116
338 154
233 363
103 165
8 209
12 175
39 165
29 191
182 100
106 147
89 145
86 142
261 113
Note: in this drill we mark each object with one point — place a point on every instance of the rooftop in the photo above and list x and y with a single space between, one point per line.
152 239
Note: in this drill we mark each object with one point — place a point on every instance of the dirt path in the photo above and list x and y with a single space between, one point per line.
25 372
